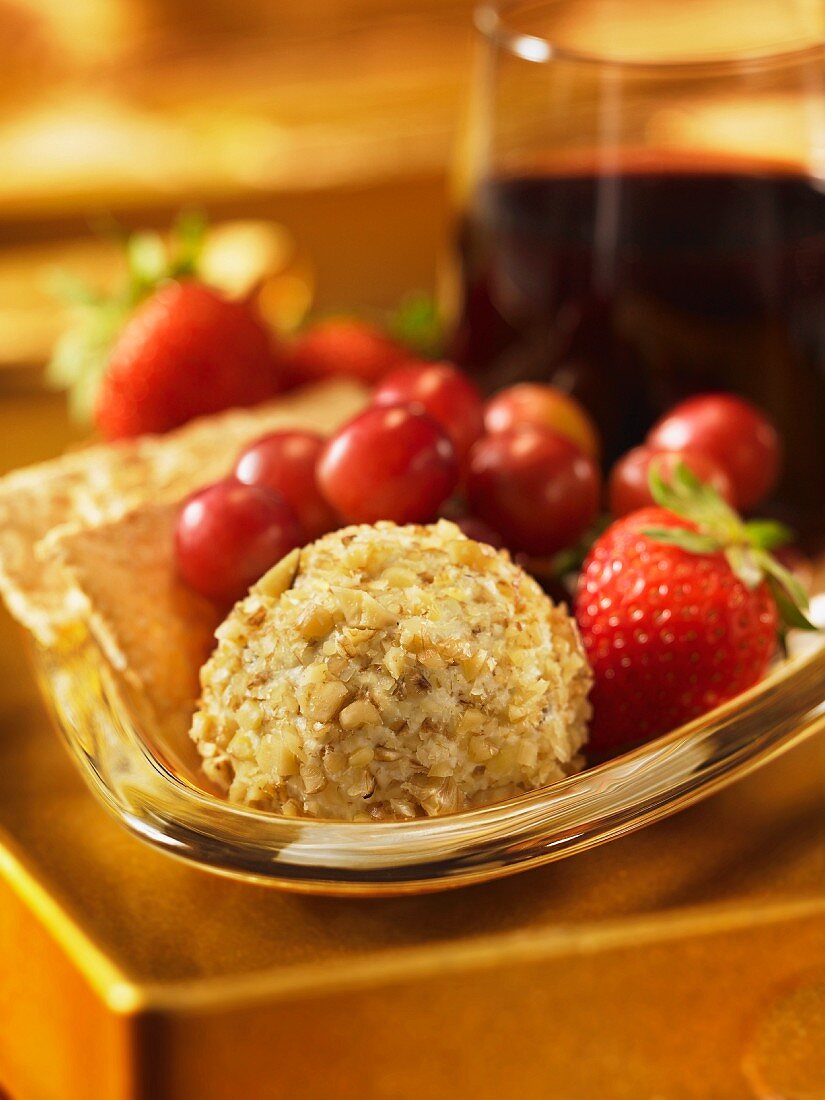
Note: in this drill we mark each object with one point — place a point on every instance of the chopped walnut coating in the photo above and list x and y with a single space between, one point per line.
391 672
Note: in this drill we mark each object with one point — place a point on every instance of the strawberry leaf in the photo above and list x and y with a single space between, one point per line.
147 260
785 577
686 496
768 534
745 564
71 289
189 237
662 493
416 322
692 541
80 355
792 617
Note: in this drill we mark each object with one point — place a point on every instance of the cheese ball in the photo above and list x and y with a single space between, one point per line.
387 673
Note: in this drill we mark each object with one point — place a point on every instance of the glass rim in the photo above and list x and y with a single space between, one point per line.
489 19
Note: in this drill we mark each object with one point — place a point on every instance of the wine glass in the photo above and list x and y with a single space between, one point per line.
642 214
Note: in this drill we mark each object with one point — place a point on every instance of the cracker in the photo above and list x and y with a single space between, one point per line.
103 483
152 627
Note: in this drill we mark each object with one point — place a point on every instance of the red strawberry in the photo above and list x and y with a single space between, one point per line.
186 351
346 347
678 613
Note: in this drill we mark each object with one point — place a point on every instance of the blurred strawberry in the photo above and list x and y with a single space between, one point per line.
344 346
165 347
185 352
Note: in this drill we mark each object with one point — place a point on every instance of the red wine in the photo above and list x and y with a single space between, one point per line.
637 289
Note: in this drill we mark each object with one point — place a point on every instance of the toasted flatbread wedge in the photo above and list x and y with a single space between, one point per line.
152 627
103 483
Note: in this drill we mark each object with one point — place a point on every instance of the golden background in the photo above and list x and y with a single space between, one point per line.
686 961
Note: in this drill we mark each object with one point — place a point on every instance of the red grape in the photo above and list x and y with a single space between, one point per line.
629 488
228 535
533 486
286 462
394 463
544 407
735 433
443 391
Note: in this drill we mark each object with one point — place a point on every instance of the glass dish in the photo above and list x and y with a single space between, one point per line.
155 792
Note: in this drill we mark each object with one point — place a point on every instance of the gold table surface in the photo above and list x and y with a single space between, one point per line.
701 941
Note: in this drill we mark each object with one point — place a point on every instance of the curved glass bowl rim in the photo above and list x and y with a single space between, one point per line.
496 811
436 853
